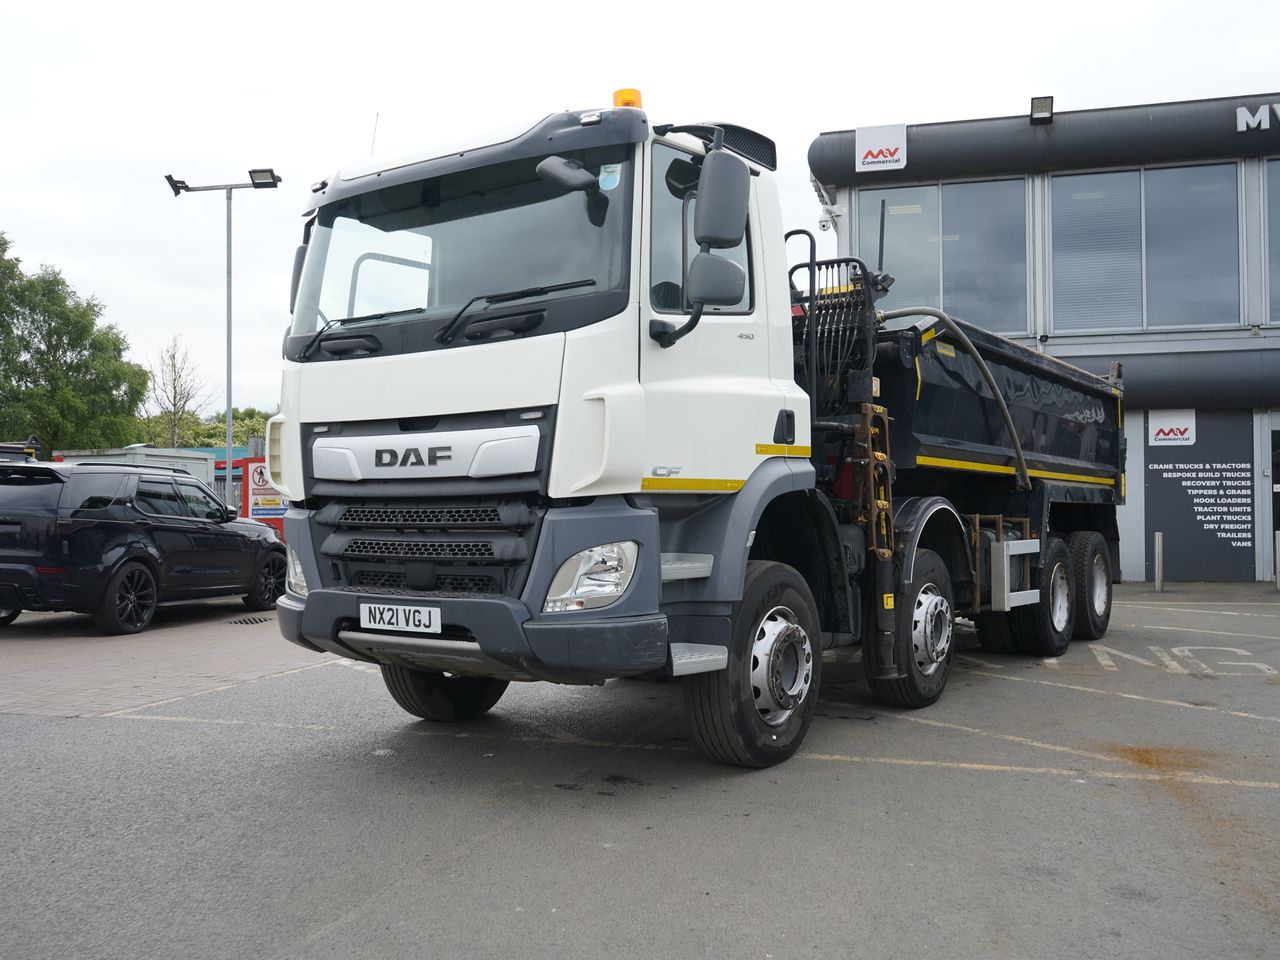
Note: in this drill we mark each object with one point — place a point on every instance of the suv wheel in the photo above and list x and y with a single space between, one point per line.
268 583
8 616
129 602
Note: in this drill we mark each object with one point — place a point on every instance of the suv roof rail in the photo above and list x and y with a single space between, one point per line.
121 463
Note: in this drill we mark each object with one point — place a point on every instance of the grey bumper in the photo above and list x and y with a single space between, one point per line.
491 637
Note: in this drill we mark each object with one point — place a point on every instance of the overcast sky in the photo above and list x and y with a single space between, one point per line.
99 101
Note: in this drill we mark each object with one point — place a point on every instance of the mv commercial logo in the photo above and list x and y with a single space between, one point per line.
880 148
1171 428
411 457
1259 119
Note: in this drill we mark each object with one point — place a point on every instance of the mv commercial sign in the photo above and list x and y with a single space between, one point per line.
1257 119
1199 493
880 148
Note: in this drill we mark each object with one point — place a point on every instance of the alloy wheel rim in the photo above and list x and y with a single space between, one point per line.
135 598
931 629
1059 597
271 580
781 665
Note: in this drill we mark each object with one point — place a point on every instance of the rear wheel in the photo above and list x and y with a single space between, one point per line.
1091 564
1044 628
925 639
8 616
756 711
129 602
268 583
440 696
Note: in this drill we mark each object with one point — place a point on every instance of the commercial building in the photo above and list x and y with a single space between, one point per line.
1148 235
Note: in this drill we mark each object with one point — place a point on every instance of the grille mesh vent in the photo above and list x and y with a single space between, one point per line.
419 550
420 516
454 583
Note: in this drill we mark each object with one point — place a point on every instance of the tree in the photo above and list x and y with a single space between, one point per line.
246 422
175 395
62 375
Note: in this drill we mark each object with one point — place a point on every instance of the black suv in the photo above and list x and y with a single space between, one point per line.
118 540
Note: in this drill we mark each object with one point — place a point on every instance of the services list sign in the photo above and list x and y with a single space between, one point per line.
1199 493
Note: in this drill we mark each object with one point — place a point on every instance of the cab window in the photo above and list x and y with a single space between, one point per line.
675 182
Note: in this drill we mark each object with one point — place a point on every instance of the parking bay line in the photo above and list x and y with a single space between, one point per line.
226 686
1217 613
972 766
1207 633
1131 696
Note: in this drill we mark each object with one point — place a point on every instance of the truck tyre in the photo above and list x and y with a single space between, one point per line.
755 712
925 642
8 616
1043 629
1091 564
439 696
268 583
995 632
129 602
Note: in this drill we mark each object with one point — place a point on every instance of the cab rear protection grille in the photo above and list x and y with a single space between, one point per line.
496 547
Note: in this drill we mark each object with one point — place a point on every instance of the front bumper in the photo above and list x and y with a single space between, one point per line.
489 637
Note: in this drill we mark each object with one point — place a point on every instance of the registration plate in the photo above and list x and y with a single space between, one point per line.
385 616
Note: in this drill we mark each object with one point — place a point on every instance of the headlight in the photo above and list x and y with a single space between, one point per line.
593 578
296 580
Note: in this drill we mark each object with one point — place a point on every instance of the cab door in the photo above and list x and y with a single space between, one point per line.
709 398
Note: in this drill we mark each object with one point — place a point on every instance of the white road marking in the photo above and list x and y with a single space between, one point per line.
1176 776
225 686
1220 613
1133 696
1207 633
982 663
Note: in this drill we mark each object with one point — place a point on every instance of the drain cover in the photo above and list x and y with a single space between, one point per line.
252 621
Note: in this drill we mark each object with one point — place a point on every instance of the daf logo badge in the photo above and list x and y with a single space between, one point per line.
411 457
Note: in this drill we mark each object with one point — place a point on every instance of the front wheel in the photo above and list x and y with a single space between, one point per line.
756 711
8 616
441 696
268 583
925 642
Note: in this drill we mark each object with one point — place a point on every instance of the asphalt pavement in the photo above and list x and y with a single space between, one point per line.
209 790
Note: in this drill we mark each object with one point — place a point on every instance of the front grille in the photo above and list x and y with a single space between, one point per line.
419 516
418 550
456 584
408 592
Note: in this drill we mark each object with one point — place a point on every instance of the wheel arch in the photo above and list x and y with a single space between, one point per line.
932 523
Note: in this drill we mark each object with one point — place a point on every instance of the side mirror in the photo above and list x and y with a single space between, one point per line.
714 281
299 256
567 174
724 188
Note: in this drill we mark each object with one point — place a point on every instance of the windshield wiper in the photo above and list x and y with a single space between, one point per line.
329 325
454 326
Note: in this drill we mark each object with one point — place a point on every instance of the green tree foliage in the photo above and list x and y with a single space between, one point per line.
208 431
62 375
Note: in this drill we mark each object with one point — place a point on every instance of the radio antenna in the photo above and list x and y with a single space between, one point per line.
374 142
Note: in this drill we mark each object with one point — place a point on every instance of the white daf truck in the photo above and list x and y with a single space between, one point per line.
557 408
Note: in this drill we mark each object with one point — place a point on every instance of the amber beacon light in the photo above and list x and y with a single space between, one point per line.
627 97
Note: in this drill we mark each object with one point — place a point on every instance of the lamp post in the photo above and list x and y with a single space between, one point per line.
259 179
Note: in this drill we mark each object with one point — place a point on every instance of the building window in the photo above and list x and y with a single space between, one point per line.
980 273
1273 236
1193 246
911 230
1171 232
984 253
1097 251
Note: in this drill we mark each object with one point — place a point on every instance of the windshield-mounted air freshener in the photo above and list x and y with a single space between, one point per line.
610 175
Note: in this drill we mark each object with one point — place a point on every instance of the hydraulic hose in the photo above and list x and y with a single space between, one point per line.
1024 481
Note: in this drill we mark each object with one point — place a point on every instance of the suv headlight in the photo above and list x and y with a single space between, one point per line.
295 580
593 578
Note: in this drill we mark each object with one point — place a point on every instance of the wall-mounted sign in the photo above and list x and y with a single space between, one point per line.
1259 119
1199 493
880 148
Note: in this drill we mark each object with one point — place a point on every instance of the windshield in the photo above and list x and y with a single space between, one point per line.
423 249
